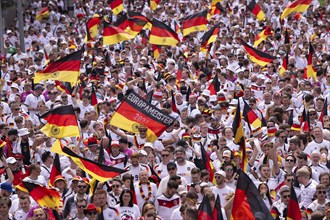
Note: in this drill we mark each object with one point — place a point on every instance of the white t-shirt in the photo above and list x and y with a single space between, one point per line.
222 193
127 212
184 171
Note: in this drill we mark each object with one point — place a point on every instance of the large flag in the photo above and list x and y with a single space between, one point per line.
65 69
210 36
116 6
310 70
207 163
257 56
153 4
296 6
217 212
55 171
251 117
205 210
135 110
285 63
43 13
161 34
45 197
248 201
113 35
256 10
61 123
195 22
97 170
293 207
132 24
92 28
214 86
262 36
239 138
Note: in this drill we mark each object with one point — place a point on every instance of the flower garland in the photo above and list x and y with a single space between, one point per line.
149 191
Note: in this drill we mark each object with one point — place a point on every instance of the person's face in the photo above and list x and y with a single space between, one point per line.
150 214
81 206
219 179
143 177
171 171
289 181
172 191
91 215
143 132
263 189
321 194
195 178
82 187
4 209
135 161
285 197
101 200
325 180
165 156
25 204
116 187
229 133
229 171
115 150
180 156
126 198
289 161
301 162
317 133
265 172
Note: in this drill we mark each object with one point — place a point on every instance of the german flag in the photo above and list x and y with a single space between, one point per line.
262 36
61 123
239 138
63 87
173 103
55 171
210 36
293 207
65 69
217 213
205 210
251 117
116 6
140 19
92 28
305 121
284 66
57 147
214 2
97 170
134 24
256 10
206 161
113 35
45 197
2 143
135 110
248 201
257 56
324 111
153 4
44 13
230 11
161 34
194 23
179 71
157 50
93 96
216 9
286 37
296 6
177 27
310 70
132 189
214 86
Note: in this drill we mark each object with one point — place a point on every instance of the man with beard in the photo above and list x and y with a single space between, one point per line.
184 166
169 201
144 189
221 188
135 167
279 209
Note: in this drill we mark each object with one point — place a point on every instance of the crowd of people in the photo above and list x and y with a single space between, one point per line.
281 152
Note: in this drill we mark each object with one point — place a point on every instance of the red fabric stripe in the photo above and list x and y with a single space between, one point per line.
196 21
73 65
241 206
253 52
112 30
300 2
256 10
169 204
115 3
61 120
93 22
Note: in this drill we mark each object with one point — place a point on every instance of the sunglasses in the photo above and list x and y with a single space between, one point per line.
165 155
289 160
81 206
286 196
217 177
322 192
169 169
312 114
82 187
115 186
289 180
142 130
91 213
229 169
64 97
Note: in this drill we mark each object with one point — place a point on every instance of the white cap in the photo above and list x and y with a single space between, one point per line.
222 173
14 85
226 153
11 160
213 98
23 131
148 144
206 92
143 152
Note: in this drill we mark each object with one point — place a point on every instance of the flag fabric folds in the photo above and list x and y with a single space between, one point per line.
135 110
205 210
262 36
97 170
195 22
44 13
251 117
324 111
256 10
206 161
217 212
216 9
61 123
157 50
66 69
293 207
305 121
116 6
55 171
248 201
161 34
310 70
133 24
257 56
92 28
132 189
210 36
239 138
153 4
113 35
214 86
285 63
45 197
296 6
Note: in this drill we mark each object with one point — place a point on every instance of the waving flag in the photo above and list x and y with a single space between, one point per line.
55 171
153 4
92 28
205 210
217 212
113 35
296 6
210 36
161 34
214 86
44 13
194 23
293 207
256 10
116 6
262 36
285 63
310 70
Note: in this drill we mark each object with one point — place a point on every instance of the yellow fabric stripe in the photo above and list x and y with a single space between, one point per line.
64 76
117 38
169 41
118 9
187 31
60 131
259 62
298 8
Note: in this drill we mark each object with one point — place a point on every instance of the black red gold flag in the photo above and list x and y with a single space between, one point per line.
251 117
55 171
61 122
296 6
310 70
256 10
205 210
305 121
132 189
116 6
206 161
162 34
45 197
324 111
97 170
248 201
293 207
157 50
210 36
135 110
113 35
257 56
214 86
92 28
195 22
66 69
262 36
173 102
217 213
153 4
285 63
43 13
